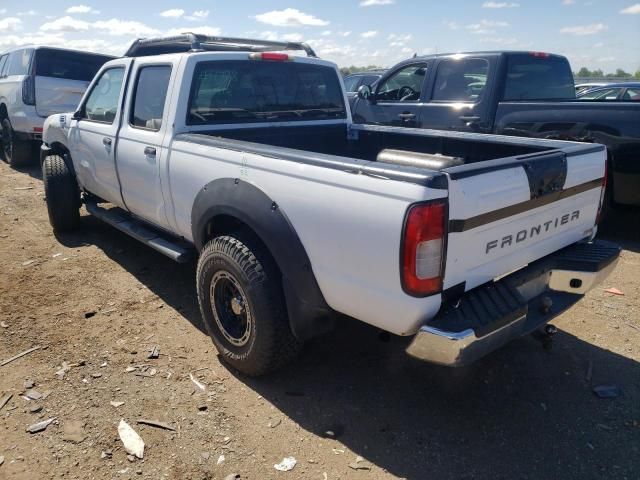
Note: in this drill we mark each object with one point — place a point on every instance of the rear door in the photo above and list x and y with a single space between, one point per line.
509 212
92 137
460 96
61 78
397 97
140 152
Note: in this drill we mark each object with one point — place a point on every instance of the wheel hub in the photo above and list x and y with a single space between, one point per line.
230 308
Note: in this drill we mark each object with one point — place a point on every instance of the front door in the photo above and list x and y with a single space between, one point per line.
397 98
92 137
140 143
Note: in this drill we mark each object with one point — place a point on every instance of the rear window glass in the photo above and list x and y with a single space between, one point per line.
68 65
531 77
351 83
263 91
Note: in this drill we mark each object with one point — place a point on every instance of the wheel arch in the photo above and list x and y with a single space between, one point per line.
225 205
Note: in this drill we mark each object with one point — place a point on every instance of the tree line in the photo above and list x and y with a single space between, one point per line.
584 72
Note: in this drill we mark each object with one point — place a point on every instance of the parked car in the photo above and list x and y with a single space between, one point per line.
356 80
527 94
620 92
248 158
583 87
36 82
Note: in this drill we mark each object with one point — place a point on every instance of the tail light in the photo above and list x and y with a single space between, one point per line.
29 90
423 247
274 57
603 196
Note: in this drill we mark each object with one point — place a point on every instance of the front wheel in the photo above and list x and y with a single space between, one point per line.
242 305
62 194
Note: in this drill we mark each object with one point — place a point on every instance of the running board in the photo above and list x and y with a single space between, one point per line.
177 250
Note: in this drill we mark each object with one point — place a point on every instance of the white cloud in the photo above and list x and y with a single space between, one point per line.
3 11
202 30
345 34
326 33
369 34
287 37
485 27
581 30
451 25
631 10
198 15
10 24
292 37
568 2
172 13
65 24
499 5
374 3
131 28
82 9
290 17
27 13
400 37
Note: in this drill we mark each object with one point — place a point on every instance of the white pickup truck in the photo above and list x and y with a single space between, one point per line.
246 156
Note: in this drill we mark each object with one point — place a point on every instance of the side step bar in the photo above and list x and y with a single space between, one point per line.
175 249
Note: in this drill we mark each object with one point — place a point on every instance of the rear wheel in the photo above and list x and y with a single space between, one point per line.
63 196
242 305
16 152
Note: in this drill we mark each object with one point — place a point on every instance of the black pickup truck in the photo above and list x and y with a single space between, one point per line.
528 94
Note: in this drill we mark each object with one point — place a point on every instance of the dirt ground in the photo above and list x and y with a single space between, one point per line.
100 301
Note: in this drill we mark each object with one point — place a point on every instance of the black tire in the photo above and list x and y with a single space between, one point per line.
62 194
17 153
253 335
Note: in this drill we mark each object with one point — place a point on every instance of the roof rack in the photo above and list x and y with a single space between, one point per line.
193 42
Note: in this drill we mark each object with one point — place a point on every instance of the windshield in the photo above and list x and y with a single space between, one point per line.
68 65
232 91
538 77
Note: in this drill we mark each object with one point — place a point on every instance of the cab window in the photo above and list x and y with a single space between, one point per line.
461 80
150 96
405 85
102 103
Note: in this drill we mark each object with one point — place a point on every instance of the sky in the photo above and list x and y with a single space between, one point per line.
601 34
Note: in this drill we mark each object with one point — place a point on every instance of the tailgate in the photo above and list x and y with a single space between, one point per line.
58 95
505 214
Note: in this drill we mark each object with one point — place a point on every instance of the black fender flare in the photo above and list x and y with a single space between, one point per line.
309 314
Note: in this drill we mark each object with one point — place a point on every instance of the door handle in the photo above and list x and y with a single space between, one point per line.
470 118
106 141
407 116
150 151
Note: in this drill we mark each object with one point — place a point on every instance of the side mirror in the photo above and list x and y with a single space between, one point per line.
364 92
78 115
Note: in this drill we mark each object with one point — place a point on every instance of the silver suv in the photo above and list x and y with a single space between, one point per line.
36 82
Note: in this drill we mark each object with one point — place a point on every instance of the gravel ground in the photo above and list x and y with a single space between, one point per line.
100 301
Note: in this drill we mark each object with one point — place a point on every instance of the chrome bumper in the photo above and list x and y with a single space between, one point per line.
535 295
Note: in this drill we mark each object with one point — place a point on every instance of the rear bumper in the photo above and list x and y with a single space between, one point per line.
490 316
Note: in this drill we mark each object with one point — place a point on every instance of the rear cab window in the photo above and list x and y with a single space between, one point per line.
538 76
53 63
237 91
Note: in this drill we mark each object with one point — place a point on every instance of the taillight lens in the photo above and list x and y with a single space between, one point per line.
29 90
271 56
423 248
603 192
